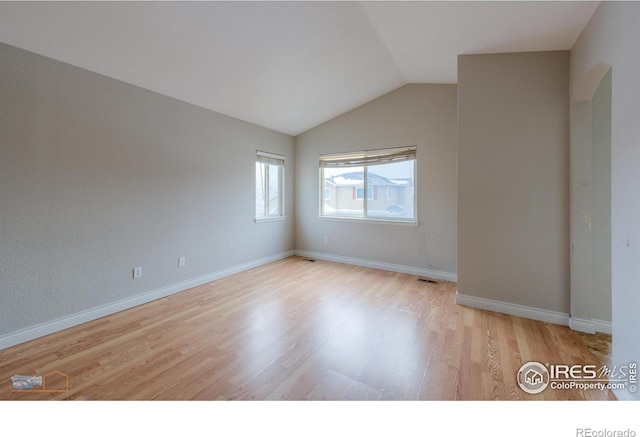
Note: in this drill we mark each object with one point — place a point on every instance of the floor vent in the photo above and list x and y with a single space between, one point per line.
427 280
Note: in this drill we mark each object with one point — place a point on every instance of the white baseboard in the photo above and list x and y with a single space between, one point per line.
590 326
603 326
417 271
52 326
548 316
582 325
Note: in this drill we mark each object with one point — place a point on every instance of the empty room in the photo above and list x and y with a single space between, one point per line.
319 200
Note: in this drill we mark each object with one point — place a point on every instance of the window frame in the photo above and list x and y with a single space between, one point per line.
270 159
367 159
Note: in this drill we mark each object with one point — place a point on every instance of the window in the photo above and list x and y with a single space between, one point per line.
269 186
386 175
360 193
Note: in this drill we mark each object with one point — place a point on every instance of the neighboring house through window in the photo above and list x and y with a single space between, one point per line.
360 193
386 175
269 185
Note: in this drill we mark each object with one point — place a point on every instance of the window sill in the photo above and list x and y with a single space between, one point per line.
269 219
371 220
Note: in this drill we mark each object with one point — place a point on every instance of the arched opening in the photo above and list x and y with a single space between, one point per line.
591 202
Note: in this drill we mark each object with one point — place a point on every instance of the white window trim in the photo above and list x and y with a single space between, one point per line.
270 219
380 221
279 160
364 155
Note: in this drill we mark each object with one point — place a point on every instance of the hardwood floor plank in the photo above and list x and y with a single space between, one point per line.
334 386
299 330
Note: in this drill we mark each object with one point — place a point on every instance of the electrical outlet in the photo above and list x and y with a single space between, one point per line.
137 272
182 261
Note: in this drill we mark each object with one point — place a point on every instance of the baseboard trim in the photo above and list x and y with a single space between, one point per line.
590 326
513 309
37 331
417 271
582 325
603 326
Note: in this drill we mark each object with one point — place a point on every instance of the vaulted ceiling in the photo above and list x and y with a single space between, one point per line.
288 66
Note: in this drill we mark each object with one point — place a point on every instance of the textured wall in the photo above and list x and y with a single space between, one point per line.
422 115
513 178
601 199
97 176
612 38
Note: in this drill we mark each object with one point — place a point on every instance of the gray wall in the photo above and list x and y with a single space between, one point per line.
601 204
97 176
513 178
591 208
422 115
612 37
581 257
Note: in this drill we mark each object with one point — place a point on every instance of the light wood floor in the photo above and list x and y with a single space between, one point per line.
296 329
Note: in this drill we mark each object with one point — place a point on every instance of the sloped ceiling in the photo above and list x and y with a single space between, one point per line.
288 66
